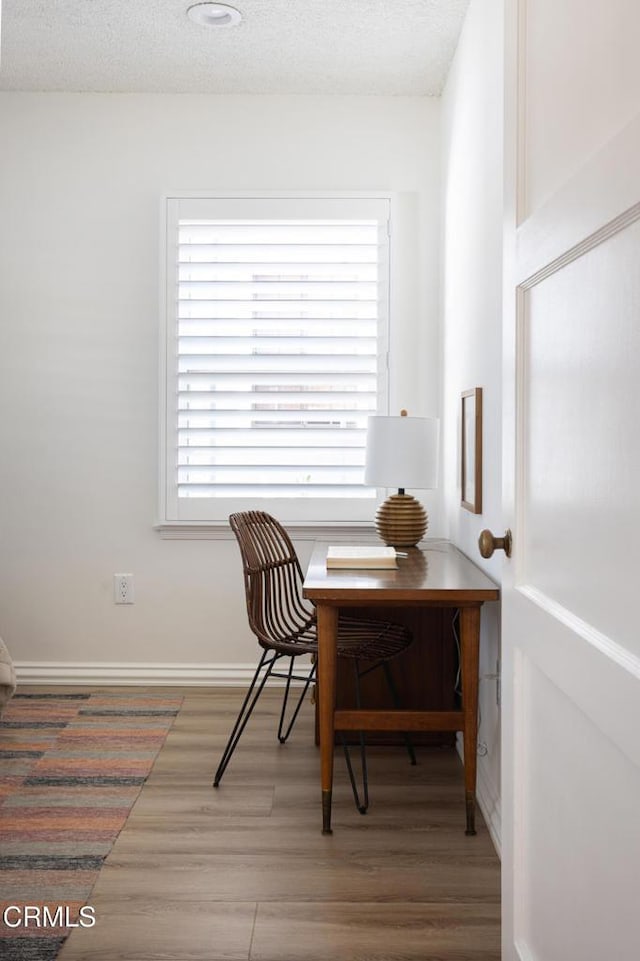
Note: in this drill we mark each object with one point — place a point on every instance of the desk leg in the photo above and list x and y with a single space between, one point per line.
470 647
327 667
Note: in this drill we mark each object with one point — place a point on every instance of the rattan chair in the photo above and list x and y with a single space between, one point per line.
285 625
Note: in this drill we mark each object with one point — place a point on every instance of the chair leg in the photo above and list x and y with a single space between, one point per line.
283 737
363 805
245 713
396 703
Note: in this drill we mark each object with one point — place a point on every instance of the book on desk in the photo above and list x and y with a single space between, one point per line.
353 557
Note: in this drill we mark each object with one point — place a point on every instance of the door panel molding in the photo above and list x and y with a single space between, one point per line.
575 348
601 686
584 246
572 826
604 644
599 201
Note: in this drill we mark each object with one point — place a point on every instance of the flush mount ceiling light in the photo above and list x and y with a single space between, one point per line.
214 14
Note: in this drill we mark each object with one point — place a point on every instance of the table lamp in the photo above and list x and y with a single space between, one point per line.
402 452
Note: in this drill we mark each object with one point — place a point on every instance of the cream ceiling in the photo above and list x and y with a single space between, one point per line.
281 46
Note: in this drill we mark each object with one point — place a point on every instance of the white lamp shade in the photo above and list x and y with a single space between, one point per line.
402 452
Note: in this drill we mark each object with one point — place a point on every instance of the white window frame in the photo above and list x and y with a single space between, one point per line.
204 514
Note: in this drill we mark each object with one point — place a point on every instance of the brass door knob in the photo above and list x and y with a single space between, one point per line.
488 543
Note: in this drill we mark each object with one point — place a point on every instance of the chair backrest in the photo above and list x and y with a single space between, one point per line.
278 614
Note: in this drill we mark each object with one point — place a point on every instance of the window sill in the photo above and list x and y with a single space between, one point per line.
220 531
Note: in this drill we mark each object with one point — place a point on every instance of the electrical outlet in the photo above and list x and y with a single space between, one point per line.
123 588
497 677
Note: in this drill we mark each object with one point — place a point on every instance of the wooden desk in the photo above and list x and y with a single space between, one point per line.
437 575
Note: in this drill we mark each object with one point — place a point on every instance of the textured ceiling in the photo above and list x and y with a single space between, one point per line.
281 46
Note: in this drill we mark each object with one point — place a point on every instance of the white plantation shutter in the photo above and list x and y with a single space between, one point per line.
277 340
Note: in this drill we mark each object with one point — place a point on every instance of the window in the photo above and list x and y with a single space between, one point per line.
275 354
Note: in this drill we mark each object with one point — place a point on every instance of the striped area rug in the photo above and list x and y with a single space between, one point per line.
71 768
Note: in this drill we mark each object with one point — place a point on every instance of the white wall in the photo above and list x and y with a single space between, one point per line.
472 135
81 178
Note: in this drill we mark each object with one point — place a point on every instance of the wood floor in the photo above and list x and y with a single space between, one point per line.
243 872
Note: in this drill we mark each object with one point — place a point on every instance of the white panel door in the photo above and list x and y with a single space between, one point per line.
571 631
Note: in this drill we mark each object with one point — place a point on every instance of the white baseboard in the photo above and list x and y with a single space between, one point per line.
101 673
489 803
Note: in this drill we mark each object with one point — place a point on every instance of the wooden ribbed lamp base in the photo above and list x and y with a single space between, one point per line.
401 521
